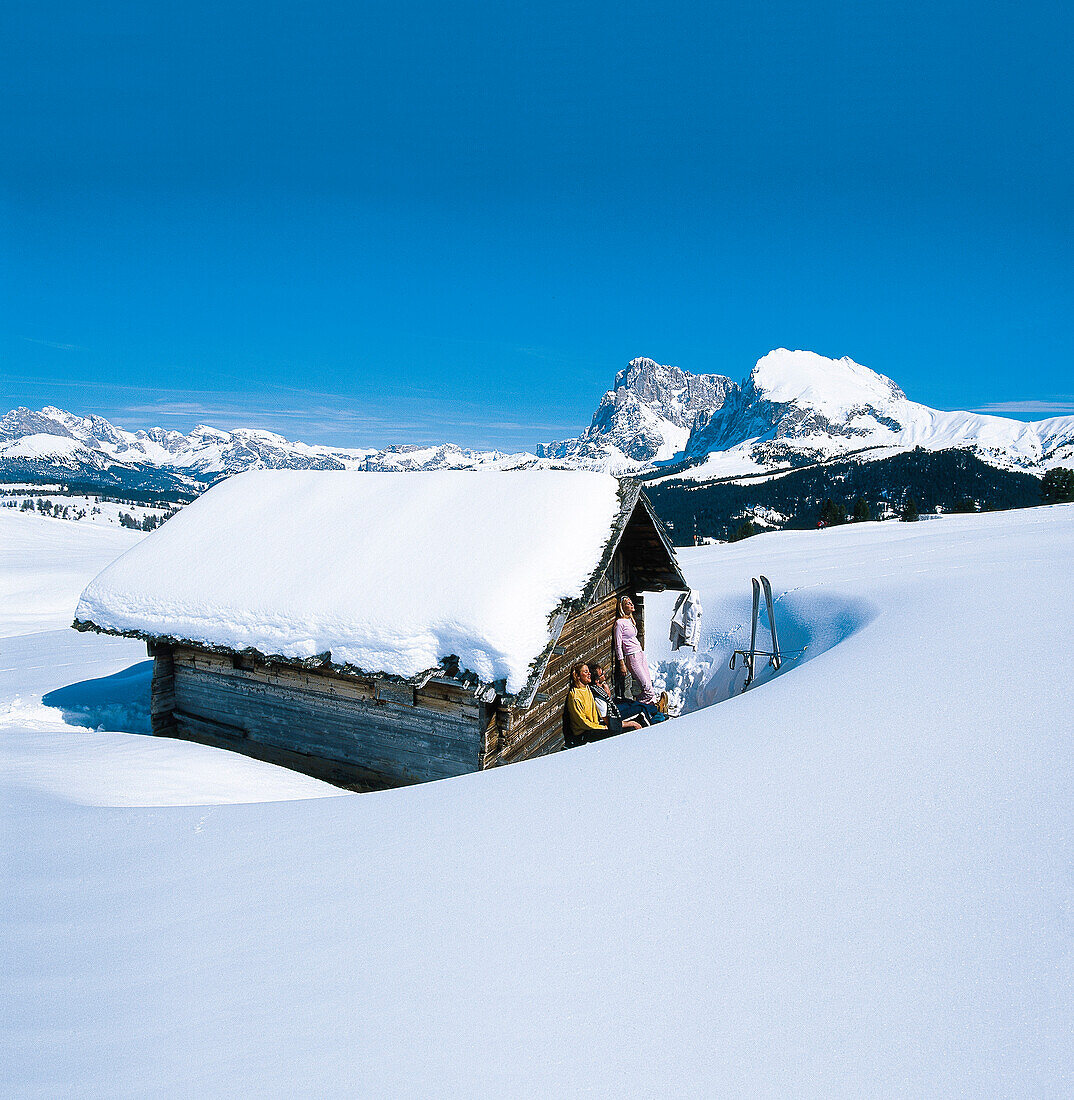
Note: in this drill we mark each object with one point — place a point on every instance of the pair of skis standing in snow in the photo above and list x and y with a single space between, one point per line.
749 657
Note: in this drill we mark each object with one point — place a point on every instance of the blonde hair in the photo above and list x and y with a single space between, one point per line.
620 611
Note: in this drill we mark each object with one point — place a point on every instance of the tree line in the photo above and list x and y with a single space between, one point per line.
45 507
904 486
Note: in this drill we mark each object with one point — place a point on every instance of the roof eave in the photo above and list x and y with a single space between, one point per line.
630 493
319 661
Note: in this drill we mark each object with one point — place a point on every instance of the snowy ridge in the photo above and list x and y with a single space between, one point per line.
797 407
79 444
836 387
793 409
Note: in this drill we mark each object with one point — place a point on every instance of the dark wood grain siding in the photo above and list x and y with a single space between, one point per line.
586 636
162 691
639 617
328 682
646 552
351 776
494 719
352 725
616 579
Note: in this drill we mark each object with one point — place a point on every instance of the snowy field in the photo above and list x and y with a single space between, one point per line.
856 879
87 509
45 564
79 746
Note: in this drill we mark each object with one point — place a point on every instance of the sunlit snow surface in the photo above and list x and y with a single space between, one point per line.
45 564
855 880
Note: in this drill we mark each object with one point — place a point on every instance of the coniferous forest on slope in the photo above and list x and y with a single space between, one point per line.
948 480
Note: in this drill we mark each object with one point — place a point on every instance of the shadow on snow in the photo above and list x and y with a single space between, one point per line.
119 702
808 624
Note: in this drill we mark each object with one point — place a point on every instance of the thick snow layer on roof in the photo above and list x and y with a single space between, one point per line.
391 572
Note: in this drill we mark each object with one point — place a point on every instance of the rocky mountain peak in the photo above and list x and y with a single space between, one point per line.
22 422
674 394
645 418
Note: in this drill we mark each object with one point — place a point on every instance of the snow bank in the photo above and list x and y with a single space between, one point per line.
854 881
389 572
55 682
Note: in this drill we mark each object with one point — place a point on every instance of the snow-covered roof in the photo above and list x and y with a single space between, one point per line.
391 573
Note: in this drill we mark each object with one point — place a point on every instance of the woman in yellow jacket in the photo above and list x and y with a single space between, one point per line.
583 722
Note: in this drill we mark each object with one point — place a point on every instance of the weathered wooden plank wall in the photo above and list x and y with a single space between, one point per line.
358 733
162 691
587 636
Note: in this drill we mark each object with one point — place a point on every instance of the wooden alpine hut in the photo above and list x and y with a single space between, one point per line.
380 629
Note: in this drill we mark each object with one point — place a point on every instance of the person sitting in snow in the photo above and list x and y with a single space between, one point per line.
581 719
647 714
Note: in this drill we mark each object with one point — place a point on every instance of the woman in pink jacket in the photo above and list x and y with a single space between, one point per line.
628 650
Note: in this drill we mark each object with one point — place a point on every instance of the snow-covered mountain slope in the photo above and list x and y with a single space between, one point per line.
55 442
853 880
645 418
797 407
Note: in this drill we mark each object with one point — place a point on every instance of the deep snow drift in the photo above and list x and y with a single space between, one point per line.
853 880
69 702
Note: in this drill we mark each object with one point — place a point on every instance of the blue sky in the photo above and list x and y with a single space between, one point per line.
368 223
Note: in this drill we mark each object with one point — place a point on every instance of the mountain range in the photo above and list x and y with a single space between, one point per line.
795 409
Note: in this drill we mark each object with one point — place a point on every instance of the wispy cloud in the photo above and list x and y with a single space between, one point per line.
1060 406
53 344
445 413
348 427
252 415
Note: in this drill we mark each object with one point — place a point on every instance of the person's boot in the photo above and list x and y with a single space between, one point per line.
662 703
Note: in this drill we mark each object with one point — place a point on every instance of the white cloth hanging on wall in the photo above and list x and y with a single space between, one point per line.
686 621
